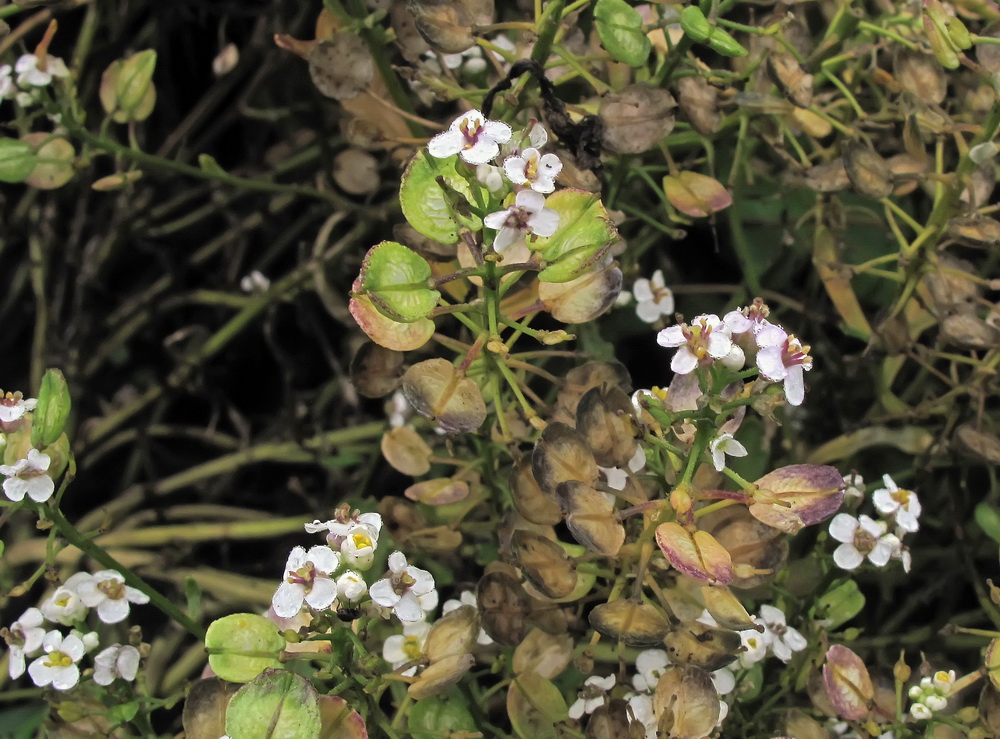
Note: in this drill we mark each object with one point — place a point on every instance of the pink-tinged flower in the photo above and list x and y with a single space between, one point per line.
58 666
27 477
780 637
114 662
534 169
408 590
652 298
704 339
343 521
527 215
24 639
723 445
902 505
861 537
14 405
783 359
475 139
107 592
307 579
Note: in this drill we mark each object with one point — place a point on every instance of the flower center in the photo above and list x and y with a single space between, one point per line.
304 576
863 541
471 131
402 582
902 497
531 168
58 659
361 541
411 647
63 600
517 218
114 589
795 353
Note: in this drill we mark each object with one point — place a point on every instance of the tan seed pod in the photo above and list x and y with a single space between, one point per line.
591 518
977 444
686 704
605 418
544 563
453 634
376 371
440 676
581 379
921 75
409 454
610 721
503 608
341 67
630 622
749 542
543 653
700 103
868 172
529 499
966 331
828 177
975 230
447 24
793 81
561 454
636 118
695 643
356 172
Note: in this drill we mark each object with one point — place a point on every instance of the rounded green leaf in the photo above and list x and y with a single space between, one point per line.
277 704
436 717
17 160
430 208
534 706
839 604
242 645
395 278
584 227
619 27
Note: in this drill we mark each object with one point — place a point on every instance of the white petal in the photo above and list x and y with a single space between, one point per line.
112 611
480 152
884 502
719 345
287 599
128 663
40 488
847 557
772 615
531 201
322 594
397 562
795 386
136 596
545 222
296 558
795 640
781 650
408 608
383 593
72 646
446 144
907 521
64 678
496 219
643 291
497 130
647 311
15 488
843 526
514 168
38 460
881 554
771 336
724 681
683 362
671 336
325 559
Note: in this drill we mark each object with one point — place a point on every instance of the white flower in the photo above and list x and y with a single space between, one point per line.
107 592
861 537
408 590
24 639
592 696
653 298
616 477
724 681
902 505
13 405
90 639
920 712
35 72
343 523
255 282
308 580
472 137
114 662
406 647
64 606
854 487
57 667
722 445
528 214
7 86
649 665
755 645
359 545
641 706
490 176
534 169
781 638
27 477
704 339
467 598
783 359
943 682
351 586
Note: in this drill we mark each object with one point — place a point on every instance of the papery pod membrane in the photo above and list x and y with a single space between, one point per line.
633 623
977 444
425 204
847 683
992 662
581 379
696 195
529 499
396 278
726 608
439 491
685 704
543 653
696 554
868 172
610 721
438 391
341 67
798 723
406 451
534 706
584 583
204 715
544 563
605 418
276 704
401 337
620 29
242 645
504 608
989 709
827 177
584 299
339 720
701 645
440 676
447 24
376 371
797 495
591 518
793 81
966 331
700 103
54 161
561 454
636 119
584 223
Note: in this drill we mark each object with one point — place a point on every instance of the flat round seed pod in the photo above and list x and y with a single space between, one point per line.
341 67
605 418
406 451
686 704
453 634
529 499
544 564
591 518
695 643
592 374
437 390
376 371
543 653
503 608
561 454
632 623
440 676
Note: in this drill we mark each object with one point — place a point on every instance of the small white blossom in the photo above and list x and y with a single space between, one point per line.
90 639
33 71
7 86
107 592
592 696
653 298
490 176
64 606
409 591
114 662
641 707
782 358
931 695
528 215
24 639
359 545
706 338
902 505
755 645
724 681
351 586
861 537
534 169
58 666
854 489
722 445
406 647
27 477
343 523
780 637
255 282
649 665
13 405
467 598
475 139
307 580
616 477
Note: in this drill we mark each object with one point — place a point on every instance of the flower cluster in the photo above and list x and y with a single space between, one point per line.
863 537
29 73
29 476
931 695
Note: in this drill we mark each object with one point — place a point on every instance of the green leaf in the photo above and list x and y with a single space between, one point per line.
208 164
395 279
277 704
22 722
428 207
619 27
436 717
123 712
17 160
988 519
585 228
839 604
52 409
535 705
243 645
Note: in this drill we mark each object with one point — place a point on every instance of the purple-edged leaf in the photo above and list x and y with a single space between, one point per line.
847 683
696 554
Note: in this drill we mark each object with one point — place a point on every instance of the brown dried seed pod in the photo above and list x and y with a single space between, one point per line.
975 230
447 24
440 392
749 542
700 103
440 676
605 418
544 563
356 172
978 444
529 499
695 643
951 284
989 709
610 721
503 608
868 172
636 118
966 331
453 634
376 371
828 177
591 517
581 379
341 67
630 622
686 704
793 81
584 299
561 454
921 75
544 653
403 448
411 44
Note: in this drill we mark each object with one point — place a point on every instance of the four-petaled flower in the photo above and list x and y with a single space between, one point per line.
399 649
706 336
649 665
308 580
902 505
861 537
57 667
38 71
528 214
13 405
359 545
652 298
534 169
779 636
475 139
114 662
408 590
107 592
64 606
592 696
351 586
24 638
343 521
783 359
722 445
27 477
